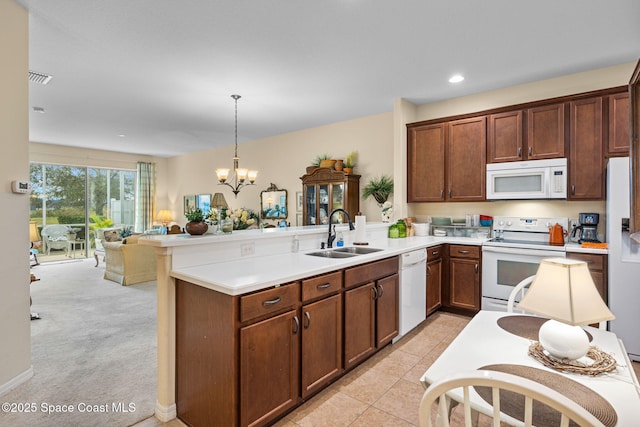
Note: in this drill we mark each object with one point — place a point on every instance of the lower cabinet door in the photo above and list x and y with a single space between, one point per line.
321 343
269 368
387 306
359 324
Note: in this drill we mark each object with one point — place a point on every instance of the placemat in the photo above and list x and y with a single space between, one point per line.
512 403
525 326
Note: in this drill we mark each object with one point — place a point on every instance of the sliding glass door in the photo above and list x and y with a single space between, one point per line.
69 202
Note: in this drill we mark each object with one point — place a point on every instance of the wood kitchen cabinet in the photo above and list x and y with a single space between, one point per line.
504 137
466 159
586 160
597 267
545 132
618 120
425 163
325 190
434 278
246 360
464 278
321 355
371 318
445 161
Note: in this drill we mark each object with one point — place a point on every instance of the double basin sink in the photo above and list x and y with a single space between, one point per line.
344 252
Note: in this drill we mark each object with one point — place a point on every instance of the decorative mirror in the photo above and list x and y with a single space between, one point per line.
273 203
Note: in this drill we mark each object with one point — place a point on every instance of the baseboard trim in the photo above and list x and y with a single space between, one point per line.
16 381
165 413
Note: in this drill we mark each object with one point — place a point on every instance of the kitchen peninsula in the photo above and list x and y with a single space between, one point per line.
207 308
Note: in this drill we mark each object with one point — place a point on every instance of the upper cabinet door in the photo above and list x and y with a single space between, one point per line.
545 132
425 163
619 139
467 157
586 162
504 142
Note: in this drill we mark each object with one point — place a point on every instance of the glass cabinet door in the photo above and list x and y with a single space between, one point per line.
324 205
337 202
311 205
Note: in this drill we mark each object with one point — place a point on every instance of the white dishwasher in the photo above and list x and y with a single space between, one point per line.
413 290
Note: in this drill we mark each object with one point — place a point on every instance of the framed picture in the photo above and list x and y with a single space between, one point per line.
189 203
203 201
298 201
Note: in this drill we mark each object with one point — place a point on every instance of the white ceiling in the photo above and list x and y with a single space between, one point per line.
161 72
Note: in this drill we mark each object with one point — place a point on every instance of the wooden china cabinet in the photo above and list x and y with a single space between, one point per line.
327 189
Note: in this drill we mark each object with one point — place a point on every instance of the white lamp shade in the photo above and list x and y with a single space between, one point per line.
164 216
223 174
242 174
563 290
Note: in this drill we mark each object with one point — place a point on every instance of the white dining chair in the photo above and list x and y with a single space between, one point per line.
518 292
531 390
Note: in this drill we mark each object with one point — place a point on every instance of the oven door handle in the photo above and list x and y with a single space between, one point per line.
522 251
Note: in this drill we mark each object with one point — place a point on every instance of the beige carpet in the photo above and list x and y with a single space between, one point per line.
93 350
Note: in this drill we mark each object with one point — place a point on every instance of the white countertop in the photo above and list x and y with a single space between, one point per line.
249 274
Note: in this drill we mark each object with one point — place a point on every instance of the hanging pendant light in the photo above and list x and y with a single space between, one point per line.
240 175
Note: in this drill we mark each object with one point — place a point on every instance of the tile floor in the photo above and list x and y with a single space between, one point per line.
384 390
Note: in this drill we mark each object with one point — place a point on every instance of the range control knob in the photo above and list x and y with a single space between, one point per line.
509 223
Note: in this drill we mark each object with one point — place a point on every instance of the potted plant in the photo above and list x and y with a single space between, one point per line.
196 225
380 189
350 162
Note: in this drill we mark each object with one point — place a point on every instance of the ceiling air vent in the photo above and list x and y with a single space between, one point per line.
39 77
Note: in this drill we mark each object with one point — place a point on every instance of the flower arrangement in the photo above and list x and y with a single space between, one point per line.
195 215
242 218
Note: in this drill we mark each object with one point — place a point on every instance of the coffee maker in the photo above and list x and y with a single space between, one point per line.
587 231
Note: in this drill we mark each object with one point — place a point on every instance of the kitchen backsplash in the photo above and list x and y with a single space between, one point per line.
541 208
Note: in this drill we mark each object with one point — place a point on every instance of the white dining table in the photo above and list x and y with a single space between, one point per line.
483 342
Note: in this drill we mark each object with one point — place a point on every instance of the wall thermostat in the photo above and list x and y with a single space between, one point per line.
21 187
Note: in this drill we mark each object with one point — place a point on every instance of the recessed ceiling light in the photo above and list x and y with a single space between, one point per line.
38 110
456 79
122 135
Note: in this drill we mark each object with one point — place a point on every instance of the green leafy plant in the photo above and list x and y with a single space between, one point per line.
195 215
98 222
126 231
319 158
378 188
350 160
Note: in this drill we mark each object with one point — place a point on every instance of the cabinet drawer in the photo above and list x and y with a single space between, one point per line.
434 253
371 271
594 261
463 251
270 301
321 285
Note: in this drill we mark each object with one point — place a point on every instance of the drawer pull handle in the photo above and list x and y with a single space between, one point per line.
374 290
325 286
307 320
463 251
530 150
519 151
442 194
381 291
428 271
434 253
272 301
296 325
476 267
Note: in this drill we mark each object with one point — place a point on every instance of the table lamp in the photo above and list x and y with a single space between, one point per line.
164 216
219 202
563 291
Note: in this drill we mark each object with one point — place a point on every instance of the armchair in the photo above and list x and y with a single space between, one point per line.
127 262
54 237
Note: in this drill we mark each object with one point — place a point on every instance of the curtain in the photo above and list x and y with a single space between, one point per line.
146 196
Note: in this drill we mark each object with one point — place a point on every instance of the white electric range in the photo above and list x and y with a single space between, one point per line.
514 253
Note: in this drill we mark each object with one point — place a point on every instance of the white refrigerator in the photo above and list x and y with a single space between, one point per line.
624 260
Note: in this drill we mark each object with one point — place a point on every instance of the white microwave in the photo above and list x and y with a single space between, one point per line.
535 179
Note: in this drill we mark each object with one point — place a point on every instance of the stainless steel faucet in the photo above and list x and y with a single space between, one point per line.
332 235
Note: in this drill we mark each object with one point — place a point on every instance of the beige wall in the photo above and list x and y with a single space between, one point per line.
576 83
282 160
15 351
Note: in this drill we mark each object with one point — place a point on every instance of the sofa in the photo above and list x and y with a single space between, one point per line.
127 262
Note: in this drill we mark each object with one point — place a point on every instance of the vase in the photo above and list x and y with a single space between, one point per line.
339 165
196 228
227 226
387 212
